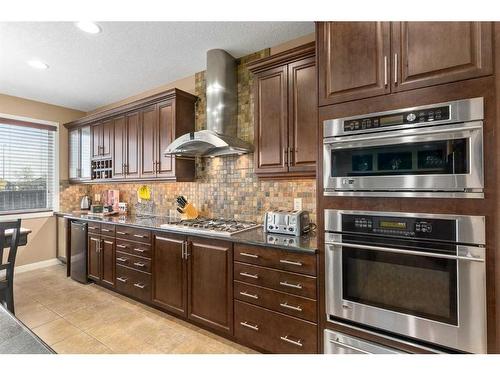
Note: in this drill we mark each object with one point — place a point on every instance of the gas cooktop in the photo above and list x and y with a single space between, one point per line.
221 227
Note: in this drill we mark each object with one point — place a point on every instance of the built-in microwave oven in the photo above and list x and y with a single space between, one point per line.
427 151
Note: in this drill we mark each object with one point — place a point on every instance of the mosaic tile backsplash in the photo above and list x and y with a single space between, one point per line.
225 187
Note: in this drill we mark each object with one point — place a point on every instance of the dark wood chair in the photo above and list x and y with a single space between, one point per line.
10 241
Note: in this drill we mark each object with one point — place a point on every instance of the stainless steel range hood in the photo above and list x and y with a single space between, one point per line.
220 138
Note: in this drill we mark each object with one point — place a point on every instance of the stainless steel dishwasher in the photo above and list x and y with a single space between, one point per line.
79 251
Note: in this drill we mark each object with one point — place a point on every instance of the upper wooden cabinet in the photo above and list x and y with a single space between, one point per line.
285 113
430 53
358 60
135 135
352 60
79 153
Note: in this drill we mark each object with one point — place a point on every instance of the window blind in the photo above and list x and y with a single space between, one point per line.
27 166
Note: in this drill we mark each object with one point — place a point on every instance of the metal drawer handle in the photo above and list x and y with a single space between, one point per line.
92 227
139 250
246 294
249 275
291 262
122 259
291 307
286 339
140 285
105 230
340 343
249 255
286 283
122 279
121 232
254 327
139 264
140 236
122 246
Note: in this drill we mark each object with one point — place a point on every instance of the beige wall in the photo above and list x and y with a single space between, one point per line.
42 241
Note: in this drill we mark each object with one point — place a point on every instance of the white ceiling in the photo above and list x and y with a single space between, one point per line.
88 71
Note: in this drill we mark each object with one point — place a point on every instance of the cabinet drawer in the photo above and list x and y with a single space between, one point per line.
274 332
285 303
288 282
133 283
133 234
94 228
132 261
276 258
108 229
134 248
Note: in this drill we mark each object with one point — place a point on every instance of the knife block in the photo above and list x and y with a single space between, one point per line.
190 212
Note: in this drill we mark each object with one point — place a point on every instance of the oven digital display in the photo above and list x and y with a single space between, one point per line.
391 120
393 225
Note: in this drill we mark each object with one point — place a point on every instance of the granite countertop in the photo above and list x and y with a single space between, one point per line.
16 338
305 243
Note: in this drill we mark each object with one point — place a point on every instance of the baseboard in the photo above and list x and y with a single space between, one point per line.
37 265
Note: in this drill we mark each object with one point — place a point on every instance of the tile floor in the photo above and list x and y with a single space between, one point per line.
87 319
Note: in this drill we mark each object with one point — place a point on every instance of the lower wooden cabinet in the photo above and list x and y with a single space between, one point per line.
101 259
274 332
133 283
210 283
170 273
192 278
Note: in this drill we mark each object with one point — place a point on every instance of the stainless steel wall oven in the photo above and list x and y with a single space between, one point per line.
416 275
427 151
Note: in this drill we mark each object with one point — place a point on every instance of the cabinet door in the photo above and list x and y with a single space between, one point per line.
119 147
85 150
169 274
166 118
96 140
303 115
108 261
74 154
271 123
431 53
107 134
93 258
210 283
148 137
132 149
353 60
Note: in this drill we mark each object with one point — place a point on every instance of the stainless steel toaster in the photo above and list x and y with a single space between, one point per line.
287 222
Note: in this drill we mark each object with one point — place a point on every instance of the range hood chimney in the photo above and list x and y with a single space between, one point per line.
221 136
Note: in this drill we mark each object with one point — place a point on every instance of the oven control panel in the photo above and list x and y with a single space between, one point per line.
438 229
395 119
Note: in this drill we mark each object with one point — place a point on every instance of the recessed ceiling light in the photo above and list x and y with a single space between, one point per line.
37 64
89 27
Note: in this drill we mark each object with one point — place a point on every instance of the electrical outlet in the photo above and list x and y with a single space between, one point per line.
297 204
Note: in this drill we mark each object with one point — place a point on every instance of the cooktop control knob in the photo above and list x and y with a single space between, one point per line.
270 227
411 117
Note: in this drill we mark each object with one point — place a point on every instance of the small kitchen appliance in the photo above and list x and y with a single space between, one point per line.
295 222
412 275
85 203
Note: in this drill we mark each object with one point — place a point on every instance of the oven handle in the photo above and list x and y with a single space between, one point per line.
404 133
408 252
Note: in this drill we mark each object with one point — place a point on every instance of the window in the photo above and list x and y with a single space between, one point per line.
27 166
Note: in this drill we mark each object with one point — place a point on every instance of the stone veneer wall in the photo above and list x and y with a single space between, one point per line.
224 187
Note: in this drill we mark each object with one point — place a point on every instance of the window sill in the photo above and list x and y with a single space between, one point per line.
27 215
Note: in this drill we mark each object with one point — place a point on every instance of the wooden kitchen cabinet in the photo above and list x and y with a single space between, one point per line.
135 135
170 273
285 113
353 60
358 60
79 153
193 278
210 283
101 259
431 53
